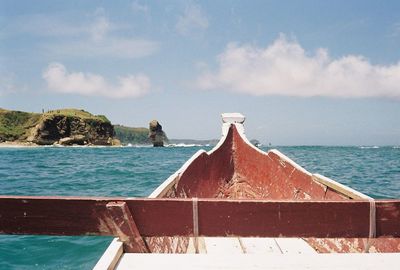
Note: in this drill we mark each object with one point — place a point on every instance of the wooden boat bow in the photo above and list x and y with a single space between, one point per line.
234 190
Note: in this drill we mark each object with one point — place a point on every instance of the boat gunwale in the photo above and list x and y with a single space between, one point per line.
326 182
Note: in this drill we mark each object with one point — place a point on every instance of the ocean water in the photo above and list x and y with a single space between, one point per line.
137 171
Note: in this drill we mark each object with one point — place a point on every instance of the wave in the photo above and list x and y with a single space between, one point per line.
184 145
369 147
129 145
78 146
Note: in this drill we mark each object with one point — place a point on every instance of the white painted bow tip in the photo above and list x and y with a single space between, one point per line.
233 118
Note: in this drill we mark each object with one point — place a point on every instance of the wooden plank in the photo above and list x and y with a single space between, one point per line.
351 193
387 218
125 227
53 216
223 245
294 246
259 245
174 217
201 246
284 218
364 261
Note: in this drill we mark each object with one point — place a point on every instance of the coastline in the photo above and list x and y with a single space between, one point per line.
18 144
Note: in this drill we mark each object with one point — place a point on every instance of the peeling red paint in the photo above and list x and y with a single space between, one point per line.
238 171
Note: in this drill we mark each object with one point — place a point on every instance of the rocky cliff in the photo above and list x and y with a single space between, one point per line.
64 127
156 134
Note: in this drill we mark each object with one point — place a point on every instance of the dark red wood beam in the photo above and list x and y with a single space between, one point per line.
174 217
120 218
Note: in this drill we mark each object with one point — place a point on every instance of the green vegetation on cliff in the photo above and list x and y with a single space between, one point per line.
132 135
82 114
15 125
50 127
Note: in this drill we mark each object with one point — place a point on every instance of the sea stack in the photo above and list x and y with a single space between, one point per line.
156 134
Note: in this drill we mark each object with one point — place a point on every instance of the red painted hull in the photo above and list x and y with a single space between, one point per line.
237 170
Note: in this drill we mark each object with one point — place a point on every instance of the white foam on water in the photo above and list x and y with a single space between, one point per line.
369 147
183 145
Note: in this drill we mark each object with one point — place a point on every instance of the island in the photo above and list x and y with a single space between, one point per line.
56 127
67 127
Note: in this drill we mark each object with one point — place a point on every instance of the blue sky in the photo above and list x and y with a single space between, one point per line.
303 72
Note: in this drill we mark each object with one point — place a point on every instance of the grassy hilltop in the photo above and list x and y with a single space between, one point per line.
77 113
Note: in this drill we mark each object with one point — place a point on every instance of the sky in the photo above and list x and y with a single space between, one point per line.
302 72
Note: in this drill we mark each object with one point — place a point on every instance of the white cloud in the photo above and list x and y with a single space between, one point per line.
95 25
285 68
45 26
192 20
137 7
100 28
107 47
94 36
98 40
60 80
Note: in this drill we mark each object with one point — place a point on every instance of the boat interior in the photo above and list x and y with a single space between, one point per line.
236 169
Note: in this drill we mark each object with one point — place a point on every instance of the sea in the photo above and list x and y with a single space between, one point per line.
136 172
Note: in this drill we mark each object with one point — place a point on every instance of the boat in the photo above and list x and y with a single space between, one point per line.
234 206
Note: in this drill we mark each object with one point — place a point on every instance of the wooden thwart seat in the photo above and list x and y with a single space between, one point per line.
131 218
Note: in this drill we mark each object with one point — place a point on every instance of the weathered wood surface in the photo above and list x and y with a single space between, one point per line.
237 170
174 217
260 261
125 227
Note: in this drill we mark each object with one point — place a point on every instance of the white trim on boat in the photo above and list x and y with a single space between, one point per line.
111 256
365 261
354 194
289 160
233 118
164 187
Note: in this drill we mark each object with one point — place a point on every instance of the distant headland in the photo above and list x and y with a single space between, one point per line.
66 127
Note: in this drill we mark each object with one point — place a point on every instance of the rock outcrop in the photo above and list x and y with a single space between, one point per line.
156 134
76 139
67 129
